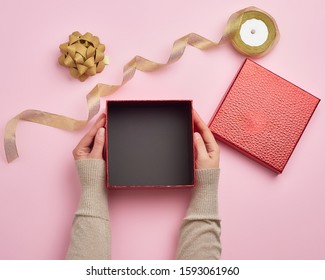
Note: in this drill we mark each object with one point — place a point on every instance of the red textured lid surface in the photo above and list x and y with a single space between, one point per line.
263 115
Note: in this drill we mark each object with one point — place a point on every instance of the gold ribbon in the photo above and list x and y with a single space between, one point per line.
231 33
83 55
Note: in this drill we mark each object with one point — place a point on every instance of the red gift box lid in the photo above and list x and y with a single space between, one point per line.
263 115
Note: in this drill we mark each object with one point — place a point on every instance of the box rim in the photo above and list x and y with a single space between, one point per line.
177 186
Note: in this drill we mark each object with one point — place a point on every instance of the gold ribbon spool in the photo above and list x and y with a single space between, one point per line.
231 33
259 20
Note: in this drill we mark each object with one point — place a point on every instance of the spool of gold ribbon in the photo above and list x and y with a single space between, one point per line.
254 32
251 31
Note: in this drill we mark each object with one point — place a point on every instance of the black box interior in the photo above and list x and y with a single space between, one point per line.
150 143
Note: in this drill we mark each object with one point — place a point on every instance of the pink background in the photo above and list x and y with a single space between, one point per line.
264 216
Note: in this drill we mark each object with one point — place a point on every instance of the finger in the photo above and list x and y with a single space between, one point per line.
208 138
99 142
88 139
201 150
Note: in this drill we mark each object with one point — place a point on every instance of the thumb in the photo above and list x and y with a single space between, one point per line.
200 146
97 151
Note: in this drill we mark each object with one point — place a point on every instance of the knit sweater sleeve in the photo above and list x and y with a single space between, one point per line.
200 230
90 235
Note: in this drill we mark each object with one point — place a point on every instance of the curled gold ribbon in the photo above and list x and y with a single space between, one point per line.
231 33
83 55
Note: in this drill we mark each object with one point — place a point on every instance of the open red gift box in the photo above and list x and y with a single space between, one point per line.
149 144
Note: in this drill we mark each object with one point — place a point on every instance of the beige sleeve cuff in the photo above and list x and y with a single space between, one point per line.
204 202
93 200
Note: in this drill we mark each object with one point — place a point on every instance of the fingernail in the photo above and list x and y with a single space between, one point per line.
197 135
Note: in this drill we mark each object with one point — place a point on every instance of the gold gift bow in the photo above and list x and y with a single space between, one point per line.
83 55
231 34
